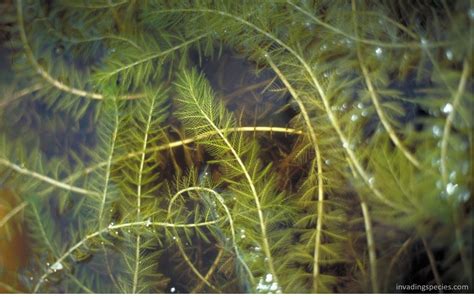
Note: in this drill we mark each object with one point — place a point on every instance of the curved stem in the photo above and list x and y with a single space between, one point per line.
375 100
432 260
12 213
450 118
210 271
21 93
232 230
107 229
64 183
316 84
363 40
243 167
49 180
371 247
41 71
314 140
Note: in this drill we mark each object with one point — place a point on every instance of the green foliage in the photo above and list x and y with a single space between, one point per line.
138 172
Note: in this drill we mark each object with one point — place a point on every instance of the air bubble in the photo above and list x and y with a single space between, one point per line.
360 105
465 168
437 131
327 162
111 225
451 188
379 52
268 277
464 196
471 14
274 287
449 55
452 176
148 222
372 180
173 289
448 108
59 50
354 117
57 266
439 184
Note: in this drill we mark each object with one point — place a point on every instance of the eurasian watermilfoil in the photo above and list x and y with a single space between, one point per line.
336 138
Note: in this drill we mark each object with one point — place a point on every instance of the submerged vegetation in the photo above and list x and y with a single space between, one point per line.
236 146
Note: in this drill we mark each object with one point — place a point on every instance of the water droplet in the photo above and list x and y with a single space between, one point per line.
449 55
450 188
174 237
111 225
173 289
448 108
148 222
268 277
354 117
364 113
437 131
360 105
326 74
379 52
327 161
372 180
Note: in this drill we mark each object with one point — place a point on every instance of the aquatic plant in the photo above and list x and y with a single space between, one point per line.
237 146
